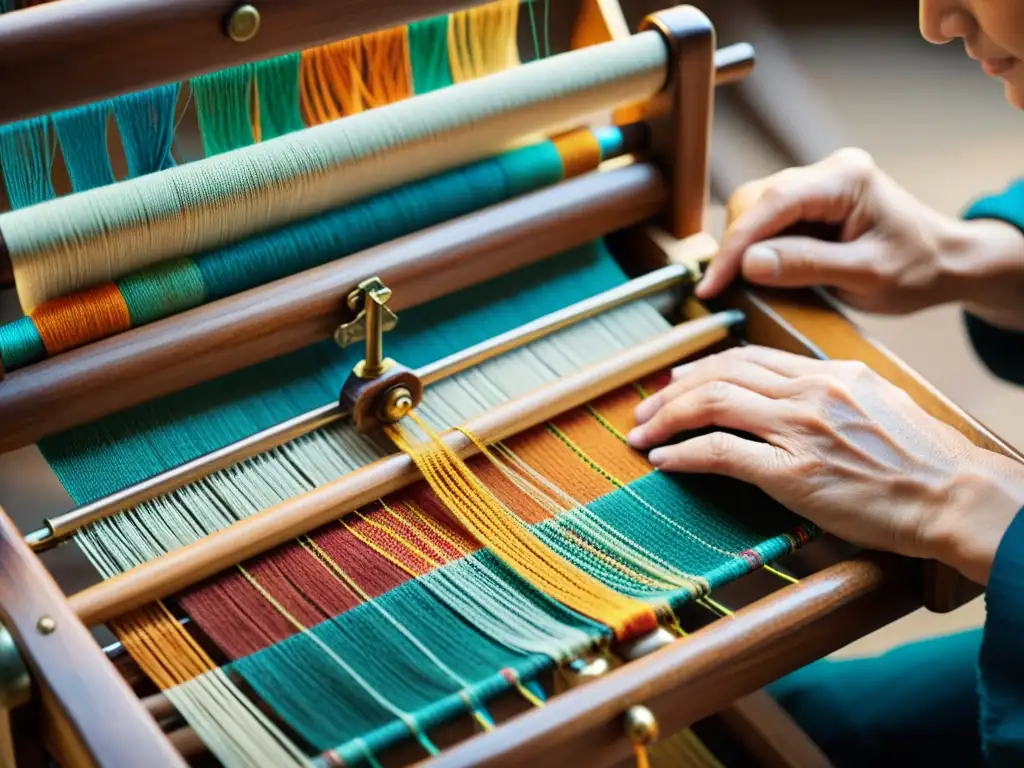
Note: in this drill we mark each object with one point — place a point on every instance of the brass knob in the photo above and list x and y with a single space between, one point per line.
641 726
397 404
243 23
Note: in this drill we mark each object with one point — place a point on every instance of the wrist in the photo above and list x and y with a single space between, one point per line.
982 265
980 503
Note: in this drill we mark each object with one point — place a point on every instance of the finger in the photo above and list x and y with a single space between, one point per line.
720 453
800 262
716 404
726 367
822 192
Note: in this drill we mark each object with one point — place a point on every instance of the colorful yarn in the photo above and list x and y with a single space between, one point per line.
179 284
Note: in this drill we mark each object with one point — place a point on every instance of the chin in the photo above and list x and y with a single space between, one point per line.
1015 93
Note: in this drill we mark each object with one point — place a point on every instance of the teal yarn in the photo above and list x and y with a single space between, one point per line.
224 108
162 290
20 344
146 123
83 141
377 220
609 138
26 154
428 55
97 459
277 88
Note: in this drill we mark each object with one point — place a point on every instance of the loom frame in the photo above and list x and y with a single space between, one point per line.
681 683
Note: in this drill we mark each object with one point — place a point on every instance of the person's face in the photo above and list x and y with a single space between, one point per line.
993 34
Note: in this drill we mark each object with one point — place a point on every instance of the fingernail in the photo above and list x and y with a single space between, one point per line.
643 412
761 261
679 370
657 456
635 436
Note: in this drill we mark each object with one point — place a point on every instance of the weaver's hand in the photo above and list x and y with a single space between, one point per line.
895 254
841 447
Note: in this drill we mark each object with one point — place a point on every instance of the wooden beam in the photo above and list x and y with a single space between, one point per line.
74 52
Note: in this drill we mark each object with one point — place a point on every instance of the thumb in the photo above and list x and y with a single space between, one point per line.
800 262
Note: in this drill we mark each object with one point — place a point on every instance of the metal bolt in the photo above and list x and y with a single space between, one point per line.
244 23
397 404
641 725
47 625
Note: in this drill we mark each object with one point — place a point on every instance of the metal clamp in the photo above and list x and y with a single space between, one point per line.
369 300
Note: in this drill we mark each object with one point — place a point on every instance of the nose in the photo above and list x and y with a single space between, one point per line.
945 20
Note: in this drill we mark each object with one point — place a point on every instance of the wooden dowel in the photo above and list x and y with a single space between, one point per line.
121 46
183 567
224 336
697 676
91 711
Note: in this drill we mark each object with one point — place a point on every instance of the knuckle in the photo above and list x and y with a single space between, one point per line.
855 161
717 396
717 450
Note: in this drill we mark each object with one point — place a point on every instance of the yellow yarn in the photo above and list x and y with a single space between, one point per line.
484 516
482 40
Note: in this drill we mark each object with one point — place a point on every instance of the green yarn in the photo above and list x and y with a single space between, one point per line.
224 108
83 141
20 344
26 154
162 290
277 87
428 55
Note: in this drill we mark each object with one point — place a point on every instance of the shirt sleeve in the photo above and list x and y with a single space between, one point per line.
1001 351
1001 661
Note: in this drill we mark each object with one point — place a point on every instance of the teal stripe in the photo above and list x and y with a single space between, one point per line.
83 142
26 153
145 121
162 290
20 344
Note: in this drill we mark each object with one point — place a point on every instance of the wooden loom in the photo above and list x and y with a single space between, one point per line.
651 210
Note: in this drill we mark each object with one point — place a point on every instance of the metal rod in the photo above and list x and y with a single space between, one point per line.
61 527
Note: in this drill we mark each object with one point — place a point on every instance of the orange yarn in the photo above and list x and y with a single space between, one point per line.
63 325
355 75
580 152
161 647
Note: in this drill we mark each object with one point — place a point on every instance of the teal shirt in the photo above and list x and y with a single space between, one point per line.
1001 660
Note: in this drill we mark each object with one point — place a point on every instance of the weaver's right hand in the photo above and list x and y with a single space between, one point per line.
895 254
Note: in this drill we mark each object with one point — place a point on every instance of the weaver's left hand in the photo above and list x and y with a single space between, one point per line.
842 447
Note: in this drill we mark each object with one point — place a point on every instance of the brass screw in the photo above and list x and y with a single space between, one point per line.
244 23
397 403
641 726
47 625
